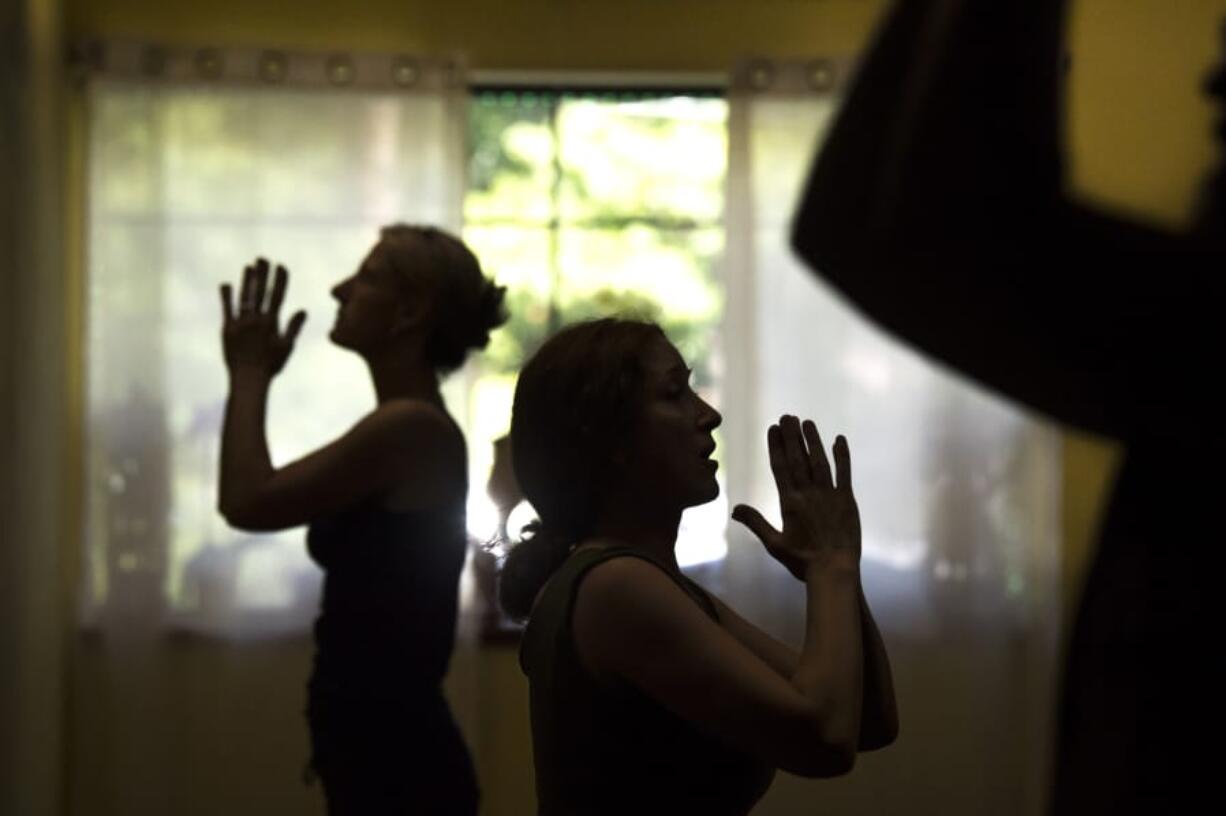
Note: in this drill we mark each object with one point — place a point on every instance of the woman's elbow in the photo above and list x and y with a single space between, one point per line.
825 763
242 518
235 520
821 751
880 737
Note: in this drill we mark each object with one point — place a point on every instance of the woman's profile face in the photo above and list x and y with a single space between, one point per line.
372 303
670 454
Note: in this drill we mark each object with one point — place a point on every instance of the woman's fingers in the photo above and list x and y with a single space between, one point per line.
842 463
295 326
247 290
798 456
227 305
261 284
757 525
819 465
778 460
280 281
794 451
255 288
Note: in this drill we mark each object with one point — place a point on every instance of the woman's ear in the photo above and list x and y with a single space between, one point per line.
410 318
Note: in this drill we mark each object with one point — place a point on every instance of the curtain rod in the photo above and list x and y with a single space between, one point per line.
663 80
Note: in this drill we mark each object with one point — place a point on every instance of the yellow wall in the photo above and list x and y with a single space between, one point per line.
1140 123
34 449
516 34
1139 141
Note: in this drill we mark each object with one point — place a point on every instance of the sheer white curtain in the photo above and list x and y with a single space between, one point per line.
958 493
195 640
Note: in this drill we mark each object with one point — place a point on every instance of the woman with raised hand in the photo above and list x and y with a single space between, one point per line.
385 507
649 694
939 207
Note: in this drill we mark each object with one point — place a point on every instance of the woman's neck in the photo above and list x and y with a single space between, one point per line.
629 524
397 379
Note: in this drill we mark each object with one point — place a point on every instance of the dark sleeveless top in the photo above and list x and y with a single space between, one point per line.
602 750
388 613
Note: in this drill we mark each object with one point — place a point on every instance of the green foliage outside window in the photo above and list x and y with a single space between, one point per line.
598 204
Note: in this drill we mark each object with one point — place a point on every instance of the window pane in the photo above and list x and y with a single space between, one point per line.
125 154
633 225
519 259
187 186
646 159
203 153
511 159
665 275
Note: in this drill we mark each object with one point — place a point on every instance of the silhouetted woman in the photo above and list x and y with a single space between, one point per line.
938 207
385 504
648 694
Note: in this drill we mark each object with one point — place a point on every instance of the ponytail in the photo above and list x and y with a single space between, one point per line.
529 564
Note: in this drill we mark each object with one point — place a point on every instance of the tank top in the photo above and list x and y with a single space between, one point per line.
602 750
388 611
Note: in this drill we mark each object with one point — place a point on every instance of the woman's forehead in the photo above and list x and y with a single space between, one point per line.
662 359
379 263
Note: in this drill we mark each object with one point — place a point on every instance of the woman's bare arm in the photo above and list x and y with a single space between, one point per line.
632 622
408 444
775 653
405 444
879 712
879 717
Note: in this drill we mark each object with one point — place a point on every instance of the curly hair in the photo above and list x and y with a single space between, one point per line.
467 306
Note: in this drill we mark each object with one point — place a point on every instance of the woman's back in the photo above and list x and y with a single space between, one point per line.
602 748
387 618
382 734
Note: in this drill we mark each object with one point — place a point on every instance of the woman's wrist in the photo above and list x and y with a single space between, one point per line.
249 375
837 568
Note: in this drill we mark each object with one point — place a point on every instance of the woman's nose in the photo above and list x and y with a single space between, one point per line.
710 419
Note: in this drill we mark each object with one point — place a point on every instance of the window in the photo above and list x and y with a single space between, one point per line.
188 183
581 204
586 204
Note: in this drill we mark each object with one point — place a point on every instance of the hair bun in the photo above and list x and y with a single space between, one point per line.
528 565
491 311
468 305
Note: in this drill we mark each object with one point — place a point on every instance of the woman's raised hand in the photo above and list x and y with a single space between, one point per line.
252 339
821 522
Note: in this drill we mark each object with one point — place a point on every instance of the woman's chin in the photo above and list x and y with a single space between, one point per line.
708 493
